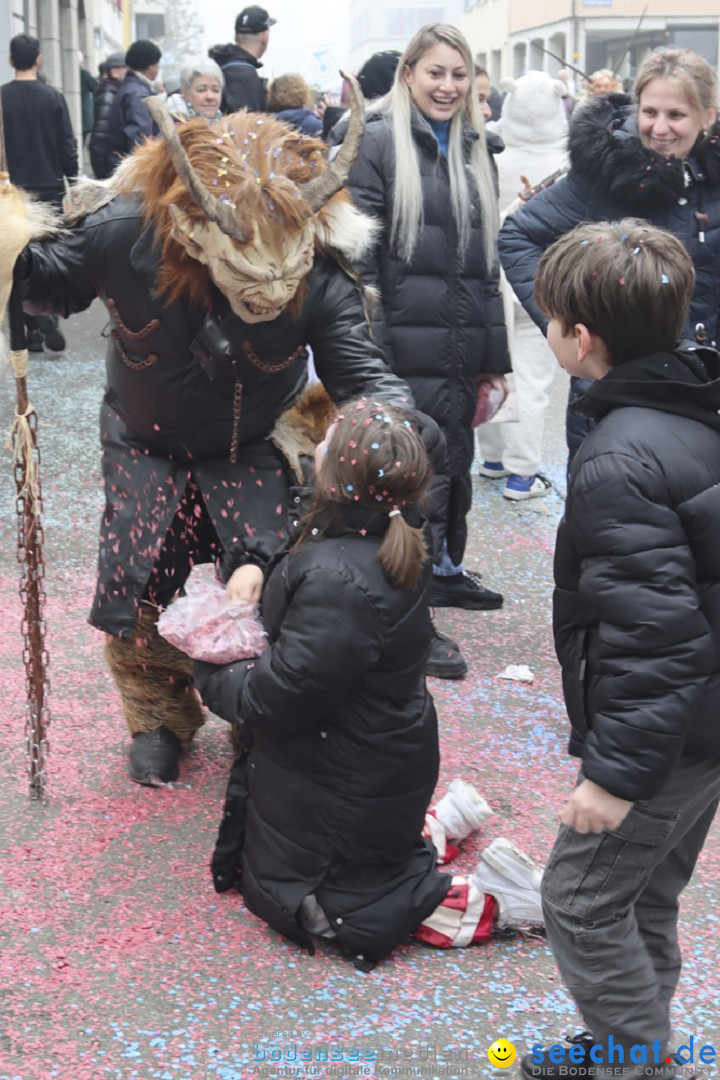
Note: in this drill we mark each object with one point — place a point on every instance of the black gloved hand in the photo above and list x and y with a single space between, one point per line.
202 676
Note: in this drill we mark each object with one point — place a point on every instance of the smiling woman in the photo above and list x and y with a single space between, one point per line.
654 156
425 173
676 104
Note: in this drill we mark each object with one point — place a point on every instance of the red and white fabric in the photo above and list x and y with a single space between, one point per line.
465 917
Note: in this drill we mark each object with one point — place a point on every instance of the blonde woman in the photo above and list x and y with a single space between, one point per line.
423 170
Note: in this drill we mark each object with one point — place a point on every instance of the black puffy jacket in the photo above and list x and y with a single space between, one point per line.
637 572
613 176
441 325
129 123
171 399
332 797
100 138
244 88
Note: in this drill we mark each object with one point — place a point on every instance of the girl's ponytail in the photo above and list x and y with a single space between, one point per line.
403 552
374 457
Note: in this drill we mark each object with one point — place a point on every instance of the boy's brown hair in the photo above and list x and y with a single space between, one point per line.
375 458
627 281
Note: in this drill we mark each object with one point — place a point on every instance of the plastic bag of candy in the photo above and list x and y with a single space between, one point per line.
208 626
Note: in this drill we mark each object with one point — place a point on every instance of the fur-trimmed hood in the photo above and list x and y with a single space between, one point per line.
606 150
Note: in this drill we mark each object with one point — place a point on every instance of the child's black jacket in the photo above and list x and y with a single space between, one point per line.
345 749
637 573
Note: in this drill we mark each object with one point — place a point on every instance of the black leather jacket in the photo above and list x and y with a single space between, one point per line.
184 381
172 399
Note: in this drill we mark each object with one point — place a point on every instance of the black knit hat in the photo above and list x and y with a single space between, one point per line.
142 54
377 73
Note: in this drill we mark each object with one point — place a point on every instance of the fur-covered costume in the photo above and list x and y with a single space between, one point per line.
217 272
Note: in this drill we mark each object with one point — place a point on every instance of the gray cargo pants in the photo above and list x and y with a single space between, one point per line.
611 907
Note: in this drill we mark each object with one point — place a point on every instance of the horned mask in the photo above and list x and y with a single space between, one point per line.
248 199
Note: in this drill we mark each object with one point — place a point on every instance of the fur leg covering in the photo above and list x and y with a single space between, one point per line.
155 680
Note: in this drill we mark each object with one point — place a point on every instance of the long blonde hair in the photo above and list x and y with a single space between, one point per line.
407 211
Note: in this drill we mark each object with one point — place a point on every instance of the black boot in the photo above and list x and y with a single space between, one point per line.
531 1068
49 326
34 341
154 757
463 590
445 660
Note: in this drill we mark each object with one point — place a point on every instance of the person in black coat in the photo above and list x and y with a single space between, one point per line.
628 156
130 122
41 152
240 62
114 71
424 172
637 631
325 809
207 349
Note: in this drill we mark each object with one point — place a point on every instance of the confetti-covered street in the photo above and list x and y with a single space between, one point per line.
117 958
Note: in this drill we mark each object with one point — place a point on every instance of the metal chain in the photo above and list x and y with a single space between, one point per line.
269 369
32 594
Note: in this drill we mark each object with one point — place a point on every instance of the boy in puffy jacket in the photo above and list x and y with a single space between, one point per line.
637 632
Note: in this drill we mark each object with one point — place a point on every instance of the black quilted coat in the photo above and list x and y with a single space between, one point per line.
172 401
637 572
100 139
441 324
613 176
331 799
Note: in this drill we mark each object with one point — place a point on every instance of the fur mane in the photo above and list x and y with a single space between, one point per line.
255 163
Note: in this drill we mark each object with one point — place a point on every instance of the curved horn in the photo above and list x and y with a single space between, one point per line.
317 192
219 212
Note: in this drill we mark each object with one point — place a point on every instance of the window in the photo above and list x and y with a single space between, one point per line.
149 27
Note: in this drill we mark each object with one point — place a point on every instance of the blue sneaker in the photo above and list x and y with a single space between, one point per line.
493 470
526 487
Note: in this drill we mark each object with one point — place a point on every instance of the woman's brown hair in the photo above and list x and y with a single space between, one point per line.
288 92
375 458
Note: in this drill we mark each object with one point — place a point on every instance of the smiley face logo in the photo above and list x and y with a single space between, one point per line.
502 1053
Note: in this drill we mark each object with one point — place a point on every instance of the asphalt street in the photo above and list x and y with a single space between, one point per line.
118 960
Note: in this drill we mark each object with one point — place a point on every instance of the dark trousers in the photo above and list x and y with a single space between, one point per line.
611 910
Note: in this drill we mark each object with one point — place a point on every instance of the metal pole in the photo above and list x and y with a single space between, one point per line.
575 51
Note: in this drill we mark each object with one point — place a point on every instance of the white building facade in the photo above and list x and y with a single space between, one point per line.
66 28
509 37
